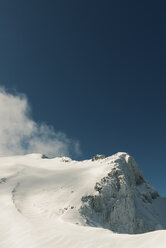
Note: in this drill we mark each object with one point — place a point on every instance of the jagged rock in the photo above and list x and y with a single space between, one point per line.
122 200
66 159
44 156
98 156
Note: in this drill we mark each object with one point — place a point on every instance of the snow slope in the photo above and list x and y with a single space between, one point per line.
63 203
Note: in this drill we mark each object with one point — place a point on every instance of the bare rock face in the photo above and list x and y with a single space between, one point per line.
123 200
98 156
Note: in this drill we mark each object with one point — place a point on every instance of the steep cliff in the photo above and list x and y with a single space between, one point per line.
123 200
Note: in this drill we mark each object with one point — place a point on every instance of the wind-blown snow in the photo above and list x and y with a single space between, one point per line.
45 203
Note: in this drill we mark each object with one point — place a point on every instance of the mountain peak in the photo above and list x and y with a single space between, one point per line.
123 200
109 192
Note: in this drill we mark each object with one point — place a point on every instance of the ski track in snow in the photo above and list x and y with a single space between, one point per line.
39 202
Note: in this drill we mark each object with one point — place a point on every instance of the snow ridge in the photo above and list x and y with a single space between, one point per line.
58 202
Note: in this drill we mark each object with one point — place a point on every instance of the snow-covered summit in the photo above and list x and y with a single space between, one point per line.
123 200
55 202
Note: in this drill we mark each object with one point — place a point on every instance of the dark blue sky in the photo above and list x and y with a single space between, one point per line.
95 70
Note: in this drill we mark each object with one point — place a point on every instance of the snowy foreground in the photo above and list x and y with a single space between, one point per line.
48 203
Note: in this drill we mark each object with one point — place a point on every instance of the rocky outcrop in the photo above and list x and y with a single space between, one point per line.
97 157
123 200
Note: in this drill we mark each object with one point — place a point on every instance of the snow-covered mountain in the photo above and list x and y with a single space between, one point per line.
123 200
63 203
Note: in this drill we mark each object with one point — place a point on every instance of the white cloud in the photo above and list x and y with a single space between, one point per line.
19 134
